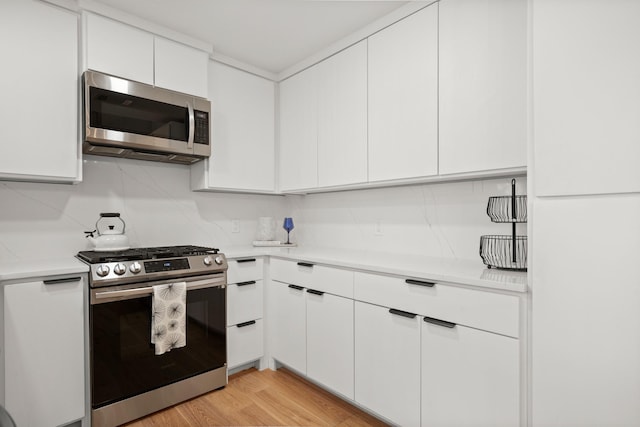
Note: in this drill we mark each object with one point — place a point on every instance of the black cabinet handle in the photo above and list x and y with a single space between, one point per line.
250 282
313 291
420 283
109 215
296 287
402 313
240 261
305 264
439 322
249 323
57 281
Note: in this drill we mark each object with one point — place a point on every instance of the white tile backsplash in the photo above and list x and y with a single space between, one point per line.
155 201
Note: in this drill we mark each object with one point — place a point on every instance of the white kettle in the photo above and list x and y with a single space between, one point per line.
110 228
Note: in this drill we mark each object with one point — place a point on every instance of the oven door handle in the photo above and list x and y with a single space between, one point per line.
127 293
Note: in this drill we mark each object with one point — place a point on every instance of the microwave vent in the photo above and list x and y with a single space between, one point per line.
101 150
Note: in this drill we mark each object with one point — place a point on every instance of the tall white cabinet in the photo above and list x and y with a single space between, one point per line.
483 85
586 152
39 110
242 133
403 98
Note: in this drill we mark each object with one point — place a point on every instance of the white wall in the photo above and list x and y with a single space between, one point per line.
154 199
441 220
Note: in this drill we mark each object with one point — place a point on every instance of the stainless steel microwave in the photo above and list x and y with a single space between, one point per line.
134 120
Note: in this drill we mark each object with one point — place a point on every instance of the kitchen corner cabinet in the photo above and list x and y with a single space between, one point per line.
298 166
121 50
243 133
342 117
323 123
39 89
245 328
44 351
587 97
403 98
483 85
313 312
387 363
289 325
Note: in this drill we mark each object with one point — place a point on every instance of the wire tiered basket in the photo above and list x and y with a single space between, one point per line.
508 252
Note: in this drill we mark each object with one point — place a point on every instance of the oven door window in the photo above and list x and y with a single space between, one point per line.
131 114
124 363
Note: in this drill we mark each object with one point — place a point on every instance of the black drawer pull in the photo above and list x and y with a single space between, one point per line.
439 322
250 282
305 264
402 313
296 287
57 281
419 283
249 323
313 291
240 261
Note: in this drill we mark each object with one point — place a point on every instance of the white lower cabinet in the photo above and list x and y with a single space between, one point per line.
44 351
289 325
469 377
330 341
387 363
244 342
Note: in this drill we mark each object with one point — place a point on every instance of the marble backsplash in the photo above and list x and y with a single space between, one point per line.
155 201
441 220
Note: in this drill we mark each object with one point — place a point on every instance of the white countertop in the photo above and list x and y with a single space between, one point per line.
25 269
464 272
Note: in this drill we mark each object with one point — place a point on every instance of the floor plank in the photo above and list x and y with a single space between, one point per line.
262 398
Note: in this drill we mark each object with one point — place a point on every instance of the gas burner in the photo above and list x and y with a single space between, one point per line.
136 254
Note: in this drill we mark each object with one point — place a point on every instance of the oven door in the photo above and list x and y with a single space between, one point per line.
123 360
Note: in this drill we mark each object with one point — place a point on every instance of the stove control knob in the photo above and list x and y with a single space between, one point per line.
135 268
219 260
102 270
207 260
120 269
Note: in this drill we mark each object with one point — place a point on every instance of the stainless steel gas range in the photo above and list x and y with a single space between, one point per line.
128 379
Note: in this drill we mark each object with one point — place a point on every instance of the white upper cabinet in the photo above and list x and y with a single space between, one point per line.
39 85
403 98
180 68
342 117
299 131
119 49
586 82
483 85
243 145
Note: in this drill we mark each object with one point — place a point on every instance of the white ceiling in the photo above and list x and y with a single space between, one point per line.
269 34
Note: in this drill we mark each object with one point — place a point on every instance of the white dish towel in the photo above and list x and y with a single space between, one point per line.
169 316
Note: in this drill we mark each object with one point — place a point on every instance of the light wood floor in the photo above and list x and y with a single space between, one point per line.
262 398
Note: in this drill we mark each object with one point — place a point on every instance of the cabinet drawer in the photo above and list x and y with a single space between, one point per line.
244 301
478 309
244 343
326 279
244 269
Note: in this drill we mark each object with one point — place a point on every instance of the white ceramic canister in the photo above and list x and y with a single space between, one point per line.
266 228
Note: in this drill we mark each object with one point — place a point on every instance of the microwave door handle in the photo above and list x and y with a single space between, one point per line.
192 124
